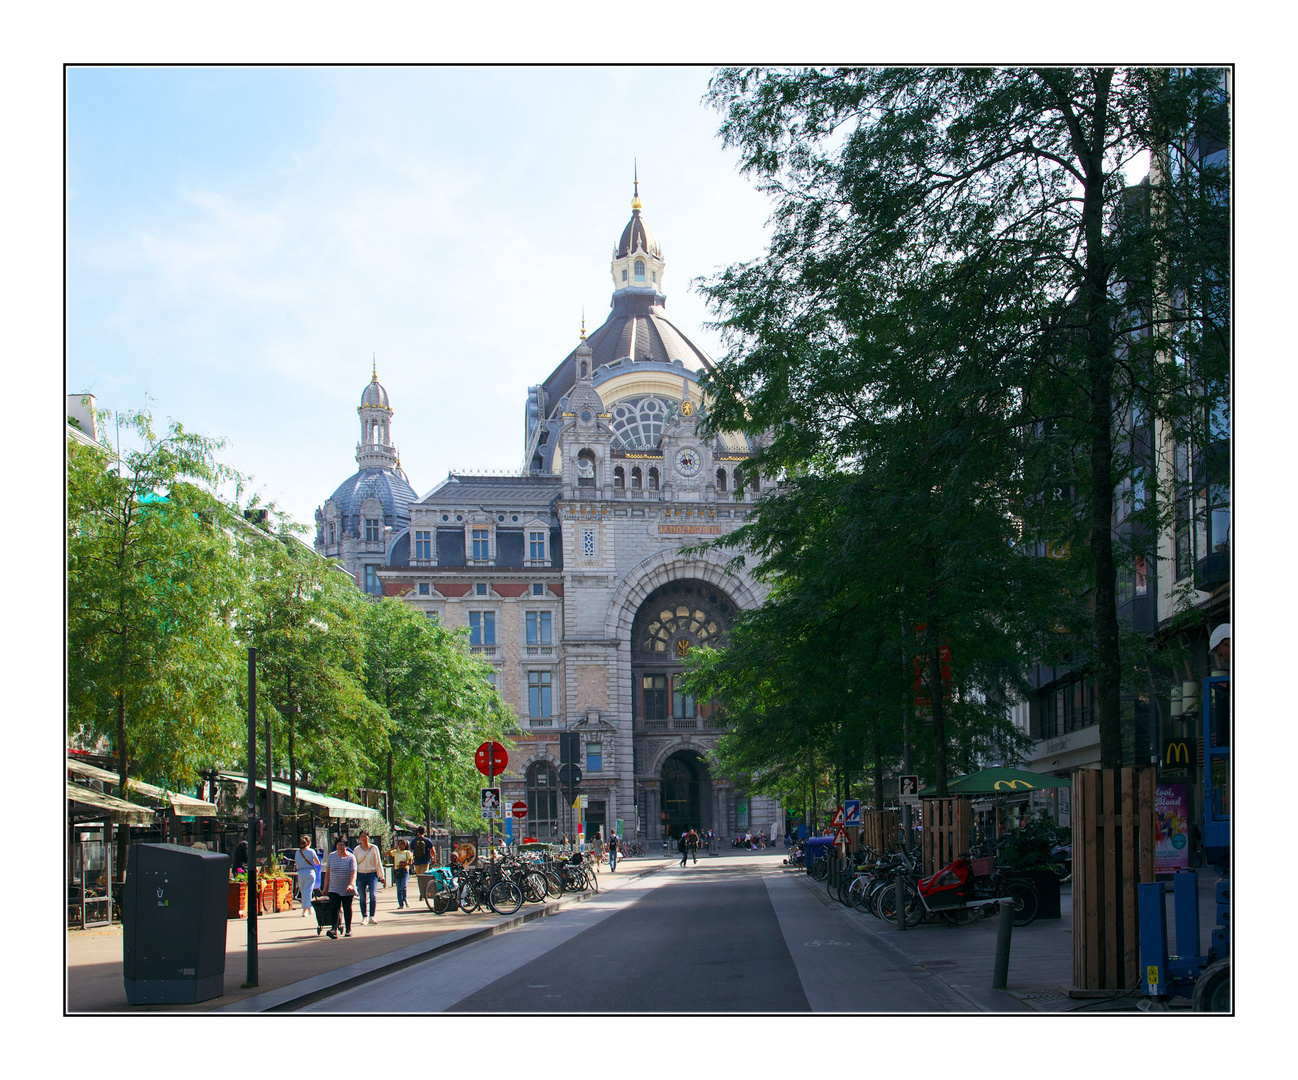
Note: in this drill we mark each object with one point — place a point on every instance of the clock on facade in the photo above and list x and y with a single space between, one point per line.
688 461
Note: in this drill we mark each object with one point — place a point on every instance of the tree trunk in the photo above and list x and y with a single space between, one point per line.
123 833
392 813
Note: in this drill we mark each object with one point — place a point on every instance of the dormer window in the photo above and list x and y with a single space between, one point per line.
639 270
624 273
372 534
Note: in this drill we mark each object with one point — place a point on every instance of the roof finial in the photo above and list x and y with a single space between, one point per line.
635 200
376 368
583 322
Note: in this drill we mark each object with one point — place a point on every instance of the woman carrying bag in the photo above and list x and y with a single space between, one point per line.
308 862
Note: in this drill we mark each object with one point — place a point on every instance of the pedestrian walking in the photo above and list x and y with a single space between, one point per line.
369 866
402 860
612 851
693 845
307 862
422 851
340 883
683 845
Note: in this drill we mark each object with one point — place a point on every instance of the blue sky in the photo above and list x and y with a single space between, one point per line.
241 242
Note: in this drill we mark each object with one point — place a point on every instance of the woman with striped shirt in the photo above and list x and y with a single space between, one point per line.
340 882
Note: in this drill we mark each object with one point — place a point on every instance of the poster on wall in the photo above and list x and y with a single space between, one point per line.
1171 828
741 814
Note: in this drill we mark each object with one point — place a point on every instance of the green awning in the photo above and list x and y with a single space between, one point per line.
183 805
334 808
999 781
88 804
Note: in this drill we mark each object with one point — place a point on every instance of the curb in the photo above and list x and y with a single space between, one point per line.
307 991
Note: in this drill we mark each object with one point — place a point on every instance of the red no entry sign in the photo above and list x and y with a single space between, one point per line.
491 759
519 809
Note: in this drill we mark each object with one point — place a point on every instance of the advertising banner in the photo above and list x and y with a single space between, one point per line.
1171 828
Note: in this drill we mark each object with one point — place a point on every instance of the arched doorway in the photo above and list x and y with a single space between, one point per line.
686 793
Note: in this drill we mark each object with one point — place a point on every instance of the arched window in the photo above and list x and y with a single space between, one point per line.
653 479
584 369
639 270
586 468
721 479
636 478
543 800
619 478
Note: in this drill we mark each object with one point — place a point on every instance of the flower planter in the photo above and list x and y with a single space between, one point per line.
238 908
274 894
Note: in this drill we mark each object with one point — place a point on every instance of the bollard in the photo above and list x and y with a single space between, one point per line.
1004 932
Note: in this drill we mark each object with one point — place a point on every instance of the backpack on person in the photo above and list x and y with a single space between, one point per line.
420 848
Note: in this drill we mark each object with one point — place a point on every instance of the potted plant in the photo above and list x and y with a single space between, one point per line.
238 904
1028 852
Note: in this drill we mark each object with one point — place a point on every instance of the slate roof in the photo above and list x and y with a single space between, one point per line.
637 327
636 236
389 486
495 491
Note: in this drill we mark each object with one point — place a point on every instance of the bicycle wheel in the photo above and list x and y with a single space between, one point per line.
553 884
820 869
469 900
1025 900
857 892
534 889
505 897
440 903
913 908
592 881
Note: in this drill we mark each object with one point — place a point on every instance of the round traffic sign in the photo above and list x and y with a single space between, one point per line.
569 775
491 759
519 809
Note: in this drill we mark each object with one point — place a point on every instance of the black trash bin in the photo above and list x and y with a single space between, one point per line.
174 912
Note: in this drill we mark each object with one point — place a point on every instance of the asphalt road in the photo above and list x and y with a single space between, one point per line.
728 935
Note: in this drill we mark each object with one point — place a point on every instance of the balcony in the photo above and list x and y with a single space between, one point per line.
685 725
538 650
1213 572
655 725
483 650
540 721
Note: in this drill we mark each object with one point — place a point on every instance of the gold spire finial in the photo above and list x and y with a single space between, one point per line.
583 322
635 199
375 361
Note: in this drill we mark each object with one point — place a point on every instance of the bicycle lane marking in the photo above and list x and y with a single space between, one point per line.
842 969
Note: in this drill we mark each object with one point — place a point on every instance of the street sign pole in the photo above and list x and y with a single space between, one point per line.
251 869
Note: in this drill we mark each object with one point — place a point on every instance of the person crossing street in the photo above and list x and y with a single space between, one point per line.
612 852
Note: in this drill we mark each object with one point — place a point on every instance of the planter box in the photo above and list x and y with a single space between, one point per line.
238 908
1047 886
274 895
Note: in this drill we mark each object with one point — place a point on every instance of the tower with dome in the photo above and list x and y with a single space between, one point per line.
570 575
369 512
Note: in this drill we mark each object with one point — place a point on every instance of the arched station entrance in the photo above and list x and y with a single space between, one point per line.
686 793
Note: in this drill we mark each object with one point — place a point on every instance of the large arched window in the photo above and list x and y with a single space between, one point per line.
543 800
638 423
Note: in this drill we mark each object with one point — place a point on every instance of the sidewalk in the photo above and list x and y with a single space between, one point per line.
295 965
1040 962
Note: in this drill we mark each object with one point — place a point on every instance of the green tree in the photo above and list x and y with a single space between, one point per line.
439 702
307 622
152 590
963 243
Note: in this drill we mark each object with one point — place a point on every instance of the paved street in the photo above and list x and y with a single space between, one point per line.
726 935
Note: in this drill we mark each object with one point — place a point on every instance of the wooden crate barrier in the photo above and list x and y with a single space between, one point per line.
947 828
1113 850
879 829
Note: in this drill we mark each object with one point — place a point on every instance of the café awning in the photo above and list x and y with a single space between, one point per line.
183 805
88 804
334 808
999 781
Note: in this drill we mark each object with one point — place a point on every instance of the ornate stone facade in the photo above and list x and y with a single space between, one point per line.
572 578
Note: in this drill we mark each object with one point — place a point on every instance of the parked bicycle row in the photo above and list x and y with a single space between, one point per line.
964 890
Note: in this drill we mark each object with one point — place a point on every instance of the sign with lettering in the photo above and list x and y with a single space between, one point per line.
689 530
1171 828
